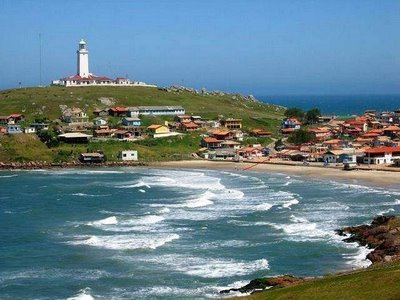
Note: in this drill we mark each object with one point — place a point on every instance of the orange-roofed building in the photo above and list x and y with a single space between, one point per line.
211 143
118 111
381 155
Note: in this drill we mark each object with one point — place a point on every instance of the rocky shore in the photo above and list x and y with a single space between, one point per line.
383 236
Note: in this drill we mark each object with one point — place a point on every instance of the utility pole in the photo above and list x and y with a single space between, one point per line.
40 59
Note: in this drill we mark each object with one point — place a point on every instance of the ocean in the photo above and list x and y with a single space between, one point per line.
147 233
337 105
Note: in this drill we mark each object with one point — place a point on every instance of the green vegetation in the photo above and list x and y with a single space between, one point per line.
43 104
308 117
378 282
301 136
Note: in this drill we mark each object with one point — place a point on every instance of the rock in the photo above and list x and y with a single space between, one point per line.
260 284
383 235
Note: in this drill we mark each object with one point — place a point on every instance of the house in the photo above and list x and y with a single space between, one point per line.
260 132
211 143
338 156
122 81
251 152
131 121
238 134
40 126
326 119
29 129
360 123
128 155
92 157
75 138
230 145
231 123
392 131
221 134
4 120
75 116
189 126
158 130
291 123
14 129
15 118
222 154
333 143
381 155
183 118
287 130
100 122
118 111
320 133
104 132
100 112
156 110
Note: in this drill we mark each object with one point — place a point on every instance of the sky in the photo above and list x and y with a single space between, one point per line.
259 47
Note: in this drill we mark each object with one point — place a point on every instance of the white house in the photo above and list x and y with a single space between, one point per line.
14 129
30 130
99 122
128 155
381 155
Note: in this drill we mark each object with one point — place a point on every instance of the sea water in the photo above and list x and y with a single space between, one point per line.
341 105
136 233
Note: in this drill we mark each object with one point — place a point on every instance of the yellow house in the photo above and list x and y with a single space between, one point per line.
158 129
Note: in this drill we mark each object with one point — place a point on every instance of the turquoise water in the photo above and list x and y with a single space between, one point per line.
136 233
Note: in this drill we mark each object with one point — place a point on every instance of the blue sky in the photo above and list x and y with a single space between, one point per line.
249 46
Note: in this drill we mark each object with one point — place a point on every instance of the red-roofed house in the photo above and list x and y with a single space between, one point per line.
381 155
118 111
211 143
320 133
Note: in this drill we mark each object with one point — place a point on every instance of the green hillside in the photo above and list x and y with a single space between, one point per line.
378 282
46 101
49 101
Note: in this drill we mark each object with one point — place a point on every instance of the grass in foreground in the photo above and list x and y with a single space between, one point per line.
378 282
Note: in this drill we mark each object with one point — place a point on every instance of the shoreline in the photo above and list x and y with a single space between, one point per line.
382 177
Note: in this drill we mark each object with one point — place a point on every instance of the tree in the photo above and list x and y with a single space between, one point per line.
279 145
294 112
49 137
301 136
312 116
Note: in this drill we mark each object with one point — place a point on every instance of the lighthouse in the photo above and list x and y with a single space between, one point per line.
83 60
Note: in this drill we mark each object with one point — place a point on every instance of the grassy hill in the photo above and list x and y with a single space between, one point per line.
378 282
46 102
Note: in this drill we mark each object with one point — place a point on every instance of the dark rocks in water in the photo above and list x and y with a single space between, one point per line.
383 235
267 282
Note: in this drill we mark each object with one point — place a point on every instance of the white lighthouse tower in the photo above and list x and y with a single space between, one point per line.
83 60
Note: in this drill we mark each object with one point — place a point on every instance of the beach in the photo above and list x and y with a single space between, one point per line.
376 177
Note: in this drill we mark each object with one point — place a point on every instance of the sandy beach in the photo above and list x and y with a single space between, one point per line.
370 177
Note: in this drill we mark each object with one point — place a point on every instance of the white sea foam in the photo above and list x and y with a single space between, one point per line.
203 200
142 191
288 204
287 183
125 242
107 221
83 294
263 206
8 176
146 220
386 211
164 210
89 195
301 230
210 267
359 259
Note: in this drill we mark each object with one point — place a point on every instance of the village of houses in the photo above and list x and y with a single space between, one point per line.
370 139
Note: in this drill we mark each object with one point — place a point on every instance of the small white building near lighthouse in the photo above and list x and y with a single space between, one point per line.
84 78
